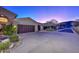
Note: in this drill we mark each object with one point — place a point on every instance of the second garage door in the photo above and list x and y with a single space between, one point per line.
25 28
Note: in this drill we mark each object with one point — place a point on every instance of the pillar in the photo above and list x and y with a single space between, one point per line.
36 28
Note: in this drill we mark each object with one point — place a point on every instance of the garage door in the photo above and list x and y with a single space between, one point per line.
25 28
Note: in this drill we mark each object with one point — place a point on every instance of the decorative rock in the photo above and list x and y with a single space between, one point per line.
12 45
5 40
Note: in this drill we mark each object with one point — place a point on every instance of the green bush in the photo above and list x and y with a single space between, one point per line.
14 38
5 45
9 30
50 29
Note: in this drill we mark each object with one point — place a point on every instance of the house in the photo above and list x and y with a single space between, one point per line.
49 25
24 25
63 25
6 18
68 24
27 24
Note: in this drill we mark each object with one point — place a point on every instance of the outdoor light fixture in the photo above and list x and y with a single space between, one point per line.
15 26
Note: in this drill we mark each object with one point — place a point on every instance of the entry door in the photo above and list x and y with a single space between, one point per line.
38 27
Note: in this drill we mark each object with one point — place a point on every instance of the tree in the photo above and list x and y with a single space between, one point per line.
54 21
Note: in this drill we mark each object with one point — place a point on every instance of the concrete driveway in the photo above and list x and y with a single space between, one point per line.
48 42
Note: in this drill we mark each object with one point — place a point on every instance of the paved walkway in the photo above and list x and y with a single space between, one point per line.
48 42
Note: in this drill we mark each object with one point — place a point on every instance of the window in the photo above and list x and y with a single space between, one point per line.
3 20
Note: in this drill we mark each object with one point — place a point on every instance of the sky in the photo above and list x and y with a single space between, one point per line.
46 13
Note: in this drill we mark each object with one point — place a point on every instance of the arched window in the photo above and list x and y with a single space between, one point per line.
3 20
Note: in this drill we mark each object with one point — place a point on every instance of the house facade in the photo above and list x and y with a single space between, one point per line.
6 18
24 25
68 24
27 24
63 25
10 16
49 25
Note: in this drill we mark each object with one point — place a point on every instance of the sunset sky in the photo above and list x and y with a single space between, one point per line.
46 13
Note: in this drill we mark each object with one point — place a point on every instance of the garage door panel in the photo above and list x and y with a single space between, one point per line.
26 28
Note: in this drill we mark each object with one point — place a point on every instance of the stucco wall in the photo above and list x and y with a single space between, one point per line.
26 21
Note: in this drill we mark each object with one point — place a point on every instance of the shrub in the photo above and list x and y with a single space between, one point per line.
50 29
5 45
14 38
9 30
